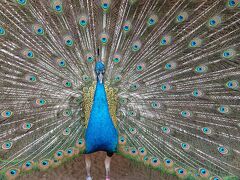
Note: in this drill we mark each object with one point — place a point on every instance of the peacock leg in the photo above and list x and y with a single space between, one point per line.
107 165
88 165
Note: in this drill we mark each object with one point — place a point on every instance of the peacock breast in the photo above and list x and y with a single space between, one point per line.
101 134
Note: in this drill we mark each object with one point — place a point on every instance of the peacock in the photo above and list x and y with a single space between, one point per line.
156 81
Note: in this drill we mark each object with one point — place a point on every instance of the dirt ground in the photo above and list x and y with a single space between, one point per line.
121 169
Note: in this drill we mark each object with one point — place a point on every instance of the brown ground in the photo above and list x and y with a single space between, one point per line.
121 169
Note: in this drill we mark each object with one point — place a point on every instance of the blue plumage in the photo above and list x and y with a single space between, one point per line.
101 135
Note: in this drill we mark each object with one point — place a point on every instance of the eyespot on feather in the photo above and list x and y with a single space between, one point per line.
44 164
27 166
12 173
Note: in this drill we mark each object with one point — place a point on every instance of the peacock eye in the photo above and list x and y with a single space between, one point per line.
68 40
155 105
116 60
232 3
134 86
22 2
31 78
122 140
117 78
222 150
80 141
83 20
67 112
27 53
40 102
7 145
104 38
193 43
61 62
183 16
186 114
30 54
214 21
67 83
229 54
203 172
163 41
224 109
127 26
122 100
140 67
180 171
185 146
166 130
6 114
83 23
132 114
206 130
57 6
70 152
133 151
171 65
152 20
168 66
38 29
136 46
89 57
180 18
26 126
166 87
146 158
233 84
168 161
12 173
28 164
166 40
201 69
86 78
196 42
2 31
197 93
105 5
132 130
155 161
215 178
45 163
66 131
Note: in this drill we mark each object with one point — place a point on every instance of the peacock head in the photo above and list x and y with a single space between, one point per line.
100 69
